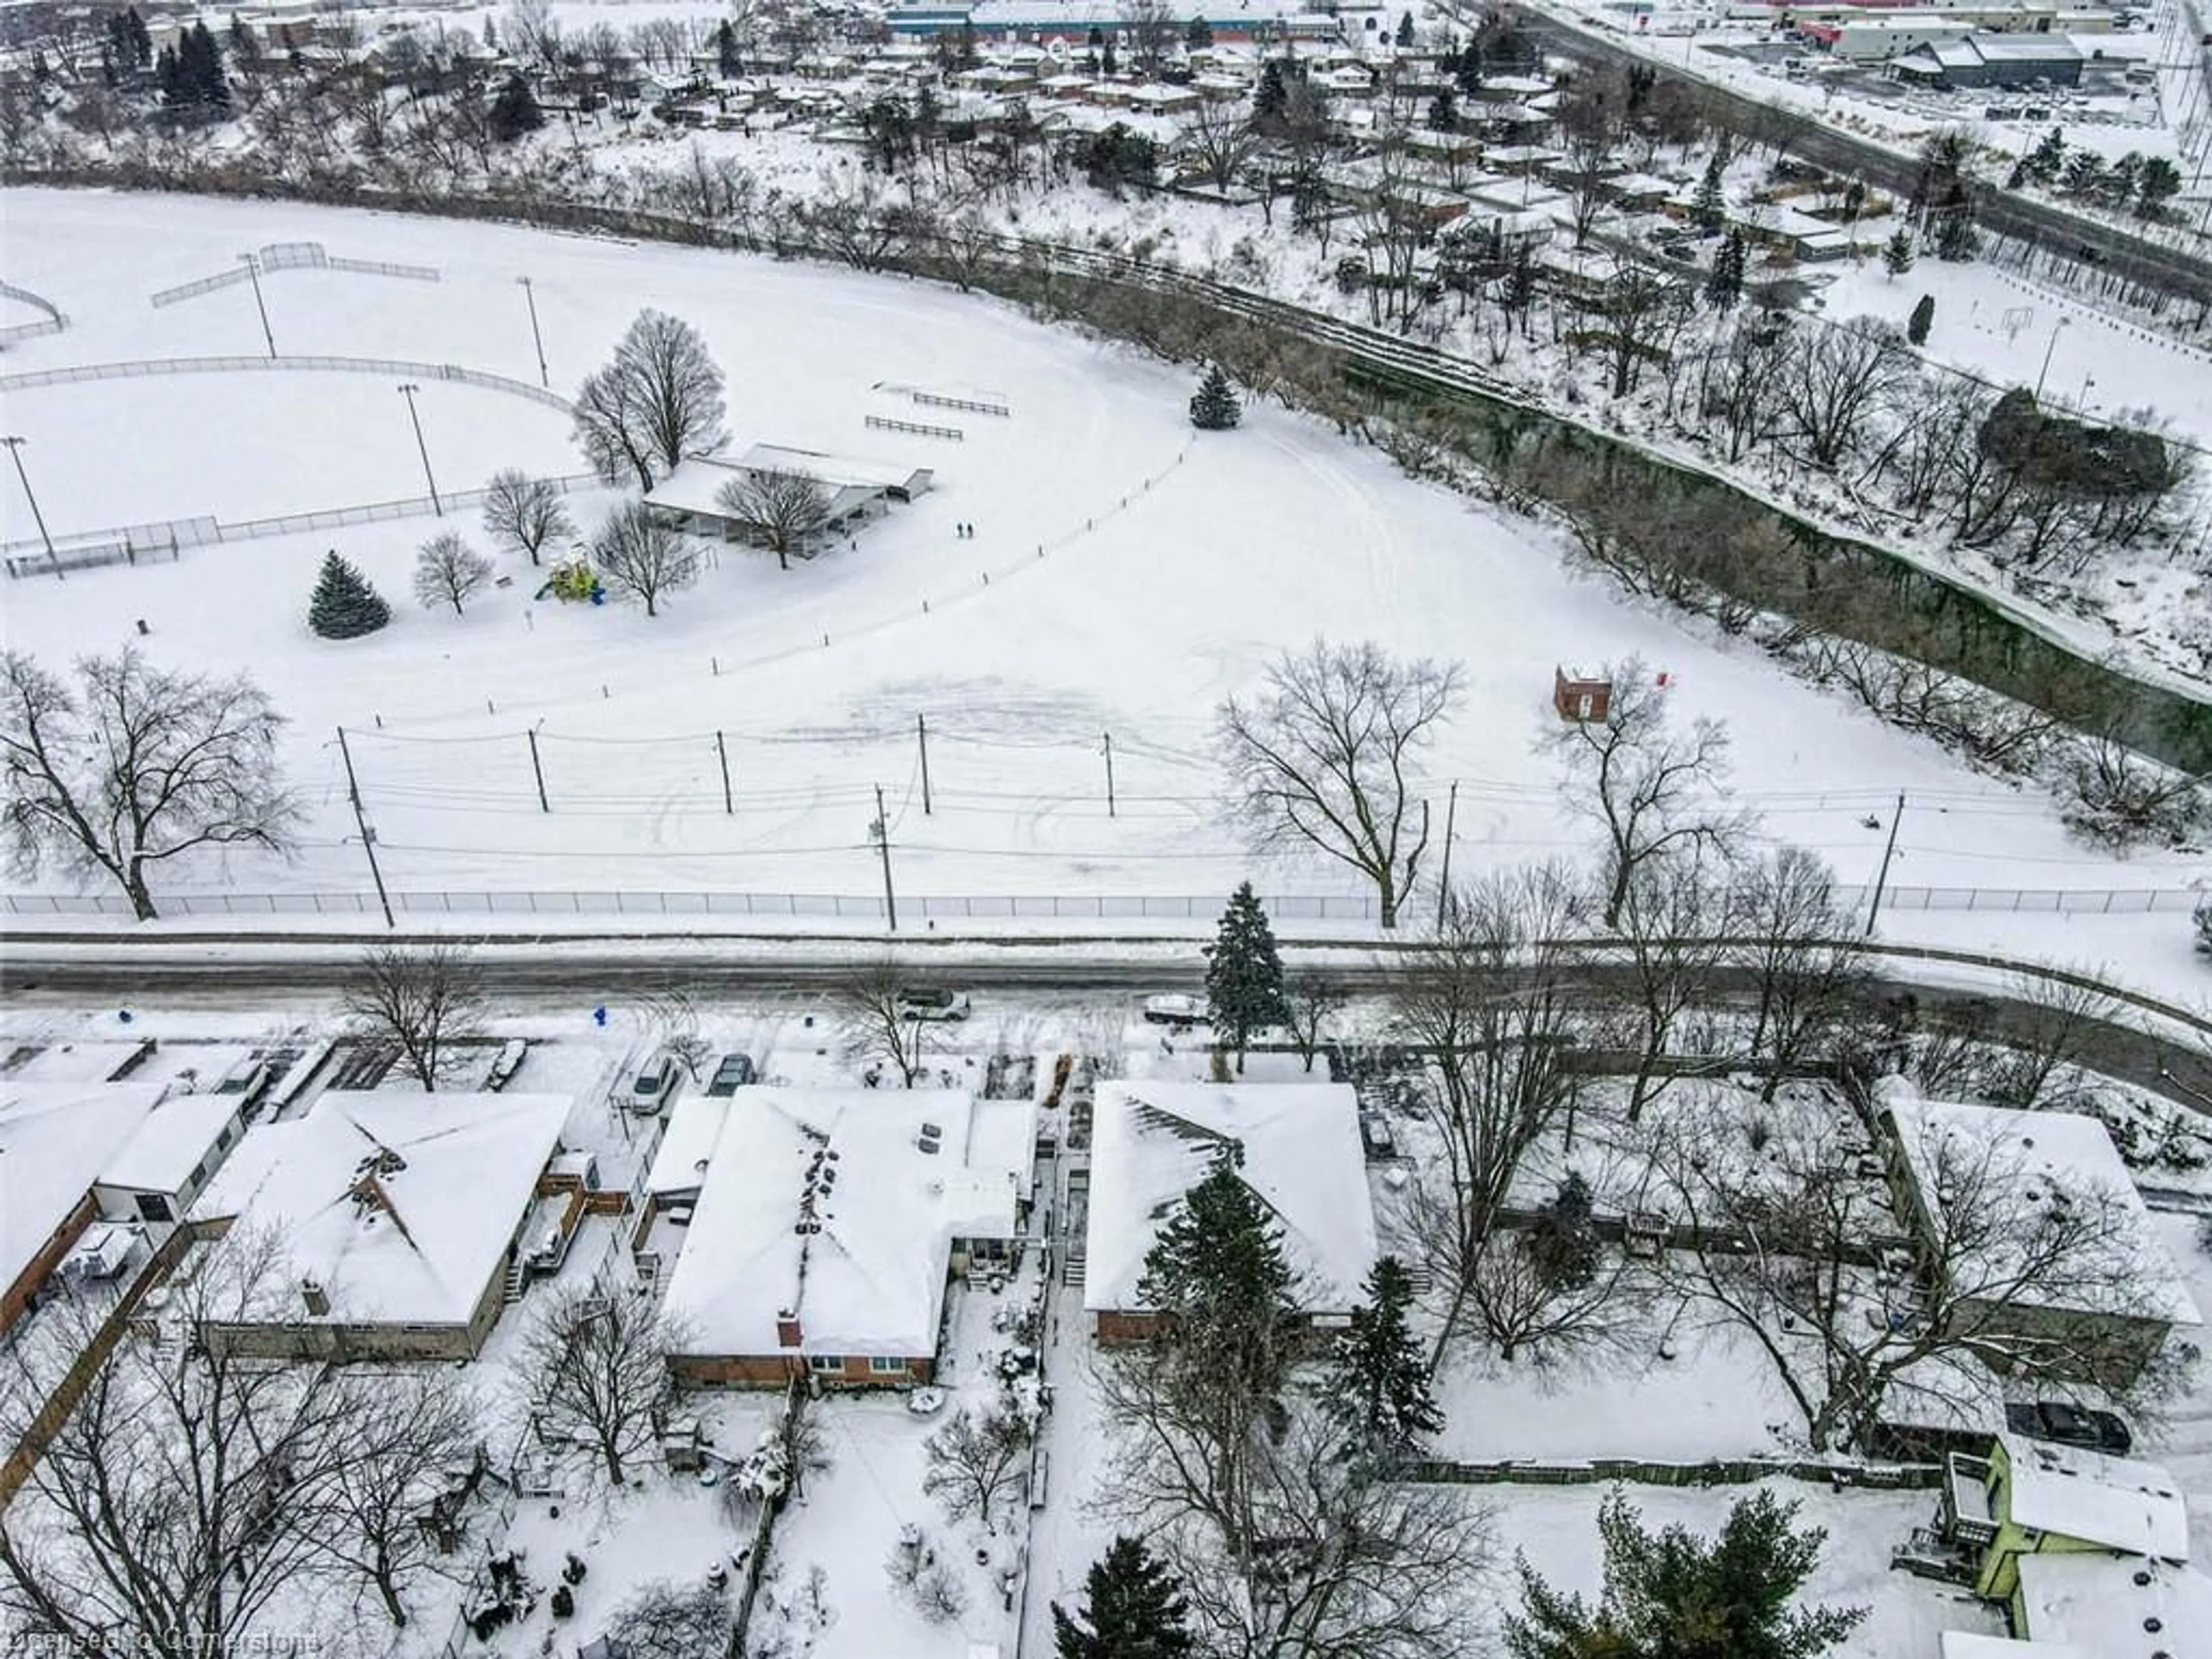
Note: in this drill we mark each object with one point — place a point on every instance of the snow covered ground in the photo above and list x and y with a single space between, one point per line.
1135 620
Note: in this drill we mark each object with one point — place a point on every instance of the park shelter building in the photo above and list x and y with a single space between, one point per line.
690 498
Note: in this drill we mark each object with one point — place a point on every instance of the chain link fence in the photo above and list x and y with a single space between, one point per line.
50 322
1037 907
288 256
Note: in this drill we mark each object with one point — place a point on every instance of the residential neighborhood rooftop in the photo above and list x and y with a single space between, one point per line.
2120 1502
171 1143
56 1139
2117 1609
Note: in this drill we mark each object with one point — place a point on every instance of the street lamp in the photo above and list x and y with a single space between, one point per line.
2082 402
530 293
2063 323
254 275
15 453
408 392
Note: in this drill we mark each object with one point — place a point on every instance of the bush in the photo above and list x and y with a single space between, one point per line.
2113 797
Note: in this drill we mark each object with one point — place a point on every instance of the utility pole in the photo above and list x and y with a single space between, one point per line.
722 753
368 834
538 770
15 453
922 737
1881 876
1109 773
254 275
408 390
1444 885
2063 323
530 294
880 833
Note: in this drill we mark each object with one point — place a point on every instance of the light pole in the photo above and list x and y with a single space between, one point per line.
408 392
530 294
254 275
2064 323
2081 403
15 453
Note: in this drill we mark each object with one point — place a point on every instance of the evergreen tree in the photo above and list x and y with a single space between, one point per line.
2203 920
1199 37
1213 407
1724 282
728 62
142 42
1563 1242
1469 75
515 111
1677 1595
1267 102
2048 159
1244 973
1923 318
1897 254
243 48
1405 28
1955 241
1378 1384
2159 184
169 77
1134 1610
345 605
1709 207
1217 1276
1108 64
1443 112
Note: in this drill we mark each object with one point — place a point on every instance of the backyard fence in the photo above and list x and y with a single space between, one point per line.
1012 907
52 321
288 256
1886 1477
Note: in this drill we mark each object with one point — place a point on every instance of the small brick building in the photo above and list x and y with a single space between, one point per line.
1580 694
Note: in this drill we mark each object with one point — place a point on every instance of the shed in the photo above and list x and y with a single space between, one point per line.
1581 693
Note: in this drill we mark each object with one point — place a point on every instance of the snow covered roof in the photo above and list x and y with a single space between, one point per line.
1153 1142
2121 1609
840 1206
2118 1503
2049 1157
695 485
695 1124
401 1207
54 1139
175 1139
840 471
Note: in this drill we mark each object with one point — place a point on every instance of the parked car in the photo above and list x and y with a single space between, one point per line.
506 1064
2069 1425
1175 1008
932 1005
735 1072
649 1090
1375 1135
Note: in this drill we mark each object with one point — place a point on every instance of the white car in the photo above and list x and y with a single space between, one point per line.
506 1064
649 1089
918 1004
1175 1008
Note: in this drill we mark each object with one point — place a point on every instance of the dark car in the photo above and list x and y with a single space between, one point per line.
735 1072
2069 1425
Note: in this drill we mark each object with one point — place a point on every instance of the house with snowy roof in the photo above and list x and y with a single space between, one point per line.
55 1140
814 1232
401 1221
2098 1316
2044 1499
1296 1145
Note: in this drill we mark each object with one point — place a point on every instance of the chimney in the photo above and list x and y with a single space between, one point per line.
317 1298
787 1329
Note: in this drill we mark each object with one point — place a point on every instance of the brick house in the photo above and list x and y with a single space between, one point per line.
1297 1145
814 1230
56 1140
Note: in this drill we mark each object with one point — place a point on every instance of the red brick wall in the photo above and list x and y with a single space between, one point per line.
18 1294
775 1370
1108 1326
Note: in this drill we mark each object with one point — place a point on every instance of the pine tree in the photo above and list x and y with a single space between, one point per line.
1378 1384
1244 973
1214 408
1897 254
1469 77
203 68
1272 95
1108 64
1216 1275
1923 318
1724 282
1405 28
345 605
515 111
1955 240
2048 159
2203 920
1199 35
142 41
1709 207
1443 112
1563 1242
1134 1610
728 61
169 77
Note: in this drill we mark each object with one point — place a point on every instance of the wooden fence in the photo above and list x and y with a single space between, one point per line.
1717 1472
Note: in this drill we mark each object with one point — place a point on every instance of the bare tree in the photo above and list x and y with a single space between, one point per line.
1651 788
1590 122
660 400
137 766
423 1001
1315 1001
593 1368
978 1461
1151 26
1488 1000
643 558
1783 1239
2116 796
409 1430
525 514
448 571
1672 920
663 1620
1529 1297
2049 1033
1642 308
189 1487
1808 971
1322 758
876 1028
1221 138
783 510
1836 378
